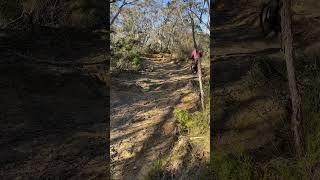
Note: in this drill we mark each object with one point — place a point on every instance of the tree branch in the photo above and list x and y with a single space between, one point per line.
200 19
120 9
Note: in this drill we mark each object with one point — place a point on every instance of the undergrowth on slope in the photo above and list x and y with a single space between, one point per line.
125 55
195 123
239 165
226 167
190 124
156 171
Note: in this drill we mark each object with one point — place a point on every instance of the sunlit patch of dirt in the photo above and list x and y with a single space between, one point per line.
142 125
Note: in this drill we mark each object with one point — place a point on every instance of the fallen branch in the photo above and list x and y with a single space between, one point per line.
197 137
13 21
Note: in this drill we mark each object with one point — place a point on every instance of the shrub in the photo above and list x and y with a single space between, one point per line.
197 123
147 50
184 119
308 76
135 60
225 167
157 171
236 166
125 54
309 73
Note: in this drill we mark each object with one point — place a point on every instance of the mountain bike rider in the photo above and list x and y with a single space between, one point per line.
195 56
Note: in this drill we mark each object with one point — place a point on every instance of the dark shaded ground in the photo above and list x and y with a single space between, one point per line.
244 119
251 116
53 117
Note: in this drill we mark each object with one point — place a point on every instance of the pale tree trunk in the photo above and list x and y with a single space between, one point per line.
199 64
287 40
200 84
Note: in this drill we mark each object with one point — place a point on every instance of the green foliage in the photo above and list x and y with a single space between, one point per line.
184 119
282 169
238 164
134 53
126 55
136 61
147 50
196 123
156 171
309 74
308 77
225 167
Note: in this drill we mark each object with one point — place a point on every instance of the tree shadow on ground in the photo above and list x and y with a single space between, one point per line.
220 125
56 44
53 124
237 34
151 144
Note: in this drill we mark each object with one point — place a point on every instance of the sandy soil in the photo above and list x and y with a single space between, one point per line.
142 125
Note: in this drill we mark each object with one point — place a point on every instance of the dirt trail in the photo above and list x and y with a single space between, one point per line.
142 125
245 119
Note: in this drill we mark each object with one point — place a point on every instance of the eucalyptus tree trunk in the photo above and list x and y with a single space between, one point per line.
199 64
200 84
287 40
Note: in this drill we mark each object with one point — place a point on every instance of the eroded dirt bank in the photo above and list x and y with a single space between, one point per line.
53 115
